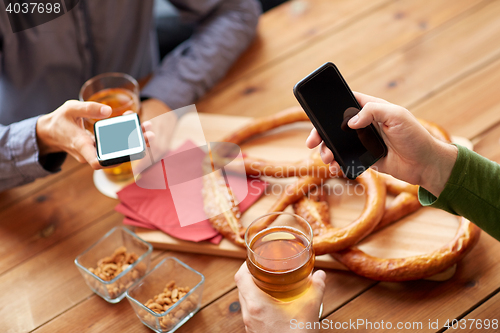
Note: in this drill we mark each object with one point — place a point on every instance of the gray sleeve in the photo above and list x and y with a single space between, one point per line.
224 30
19 158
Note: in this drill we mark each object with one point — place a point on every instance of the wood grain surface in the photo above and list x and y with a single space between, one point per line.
424 231
440 59
376 37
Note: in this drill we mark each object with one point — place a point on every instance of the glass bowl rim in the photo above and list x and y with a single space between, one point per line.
162 314
128 269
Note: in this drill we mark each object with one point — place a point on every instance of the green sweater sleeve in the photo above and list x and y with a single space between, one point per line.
473 191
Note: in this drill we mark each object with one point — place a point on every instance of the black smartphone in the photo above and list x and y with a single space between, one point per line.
329 103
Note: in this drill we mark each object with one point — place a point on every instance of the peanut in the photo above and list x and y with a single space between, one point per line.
156 307
110 267
166 299
180 314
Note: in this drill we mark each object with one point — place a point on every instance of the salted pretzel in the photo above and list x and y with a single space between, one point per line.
218 197
229 225
405 202
315 210
328 239
415 267
311 165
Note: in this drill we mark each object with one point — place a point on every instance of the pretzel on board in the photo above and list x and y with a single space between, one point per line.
405 203
312 172
218 197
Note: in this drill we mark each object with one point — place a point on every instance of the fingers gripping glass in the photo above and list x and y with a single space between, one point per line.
280 256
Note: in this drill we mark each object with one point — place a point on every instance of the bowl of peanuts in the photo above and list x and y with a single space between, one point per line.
114 263
168 296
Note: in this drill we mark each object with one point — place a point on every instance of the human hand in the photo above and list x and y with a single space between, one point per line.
263 313
63 130
414 155
161 124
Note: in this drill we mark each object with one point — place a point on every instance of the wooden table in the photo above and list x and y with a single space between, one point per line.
440 59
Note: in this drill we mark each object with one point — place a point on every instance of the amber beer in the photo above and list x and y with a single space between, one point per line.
120 92
281 259
119 99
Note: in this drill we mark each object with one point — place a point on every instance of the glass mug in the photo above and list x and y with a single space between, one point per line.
280 257
121 92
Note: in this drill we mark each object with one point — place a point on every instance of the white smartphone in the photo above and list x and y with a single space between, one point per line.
119 140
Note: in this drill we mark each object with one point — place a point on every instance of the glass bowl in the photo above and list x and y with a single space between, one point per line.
153 284
114 290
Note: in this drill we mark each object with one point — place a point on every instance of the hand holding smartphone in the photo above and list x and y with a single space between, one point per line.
329 103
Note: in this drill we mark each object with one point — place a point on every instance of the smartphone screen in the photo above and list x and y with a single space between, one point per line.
118 137
330 104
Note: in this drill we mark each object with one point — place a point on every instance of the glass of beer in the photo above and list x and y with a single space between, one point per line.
280 255
121 92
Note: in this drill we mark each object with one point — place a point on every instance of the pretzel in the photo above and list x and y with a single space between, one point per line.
312 165
315 210
415 267
328 239
405 202
229 225
218 197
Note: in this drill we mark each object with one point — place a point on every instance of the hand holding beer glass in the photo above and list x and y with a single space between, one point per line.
121 92
280 257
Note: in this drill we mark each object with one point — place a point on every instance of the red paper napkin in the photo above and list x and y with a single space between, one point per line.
155 209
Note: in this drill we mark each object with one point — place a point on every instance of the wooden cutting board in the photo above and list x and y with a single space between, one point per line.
421 232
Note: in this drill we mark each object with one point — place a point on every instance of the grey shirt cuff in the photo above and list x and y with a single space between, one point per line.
20 160
24 149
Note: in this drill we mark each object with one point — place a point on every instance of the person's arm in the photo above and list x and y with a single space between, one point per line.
224 30
37 147
472 191
20 161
